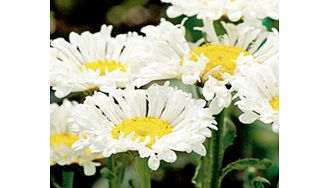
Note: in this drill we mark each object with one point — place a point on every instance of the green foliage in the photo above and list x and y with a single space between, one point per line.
143 171
53 182
115 170
270 23
202 176
229 133
68 178
209 166
219 28
108 174
244 164
259 182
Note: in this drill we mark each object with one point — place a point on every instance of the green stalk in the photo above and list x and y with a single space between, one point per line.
209 167
115 169
217 150
121 168
110 164
68 178
143 172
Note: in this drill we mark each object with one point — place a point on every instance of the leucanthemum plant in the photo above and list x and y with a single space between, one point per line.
258 93
147 98
62 139
155 122
215 9
95 61
213 64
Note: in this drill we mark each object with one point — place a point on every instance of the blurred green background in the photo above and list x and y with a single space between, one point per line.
256 140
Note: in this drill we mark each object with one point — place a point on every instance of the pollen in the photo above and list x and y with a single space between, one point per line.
219 55
275 103
65 138
104 66
155 128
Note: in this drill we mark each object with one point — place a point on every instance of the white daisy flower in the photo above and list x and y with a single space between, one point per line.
215 9
96 60
61 140
242 44
258 93
168 47
214 62
155 122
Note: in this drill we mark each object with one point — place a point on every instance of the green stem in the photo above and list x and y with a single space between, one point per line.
217 151
143 172
121 168
115 169
53 182
209 167
68 178
110 163
201 178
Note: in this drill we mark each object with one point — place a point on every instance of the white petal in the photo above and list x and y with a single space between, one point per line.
169 156
189 79
214 107
200 149
89 168
153 163
248 117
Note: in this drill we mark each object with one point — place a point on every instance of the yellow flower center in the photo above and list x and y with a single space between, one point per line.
66 138
155 128
104 66
275 103
218 55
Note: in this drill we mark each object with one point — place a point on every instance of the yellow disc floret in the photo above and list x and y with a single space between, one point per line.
275 103
104 66
65 138
155 128
218 55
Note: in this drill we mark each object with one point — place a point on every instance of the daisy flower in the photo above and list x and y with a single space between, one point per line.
258 93
90 61
213 65
242 45
215 9
169 47
156 122
61 140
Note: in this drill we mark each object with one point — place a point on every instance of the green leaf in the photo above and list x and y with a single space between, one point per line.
261 179
244 164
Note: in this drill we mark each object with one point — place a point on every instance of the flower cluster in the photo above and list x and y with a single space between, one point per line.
62 139
130 111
